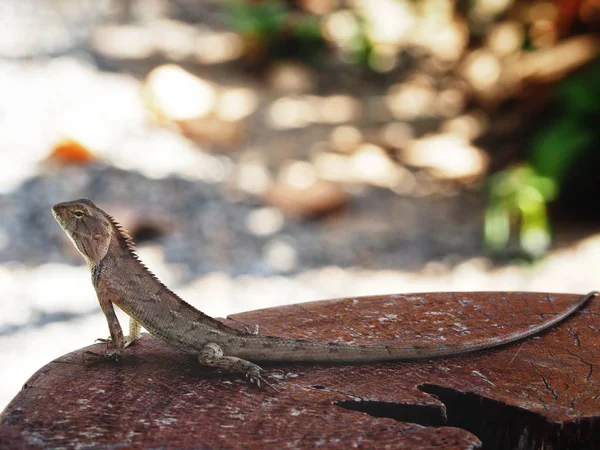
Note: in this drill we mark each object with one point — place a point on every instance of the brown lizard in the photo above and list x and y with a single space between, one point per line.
120 278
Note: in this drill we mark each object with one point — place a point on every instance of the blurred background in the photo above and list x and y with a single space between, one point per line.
271 152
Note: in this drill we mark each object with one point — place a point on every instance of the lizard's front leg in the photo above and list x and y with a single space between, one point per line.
116 333
212 355
134 333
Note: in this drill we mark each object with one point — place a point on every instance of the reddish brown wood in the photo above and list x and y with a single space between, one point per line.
539 392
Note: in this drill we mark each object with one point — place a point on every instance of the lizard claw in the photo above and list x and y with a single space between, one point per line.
253 331
127 343
254 376
90 357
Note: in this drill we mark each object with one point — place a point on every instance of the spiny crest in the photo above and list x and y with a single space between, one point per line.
122 235
127 242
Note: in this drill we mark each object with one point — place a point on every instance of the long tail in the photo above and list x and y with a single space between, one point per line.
272 348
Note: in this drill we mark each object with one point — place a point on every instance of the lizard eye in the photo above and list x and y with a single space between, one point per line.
78 213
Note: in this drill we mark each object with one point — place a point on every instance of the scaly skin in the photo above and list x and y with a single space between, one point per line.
120 278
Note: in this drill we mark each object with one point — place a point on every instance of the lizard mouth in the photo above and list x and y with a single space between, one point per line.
56 214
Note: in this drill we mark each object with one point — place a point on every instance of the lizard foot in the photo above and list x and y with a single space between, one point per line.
253 331
90 357
254 376
128 340
212 355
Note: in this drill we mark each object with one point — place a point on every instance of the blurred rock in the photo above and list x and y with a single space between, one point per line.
346 138
506 38
319 7
411 99
236 104
265 221
214 132
299 192
280 255
291 78
203 111
397 134
252 175
468 126
214 47
447 156
444 35
123 41
371 164
173 93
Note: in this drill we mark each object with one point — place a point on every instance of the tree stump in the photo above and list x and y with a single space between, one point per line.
542 392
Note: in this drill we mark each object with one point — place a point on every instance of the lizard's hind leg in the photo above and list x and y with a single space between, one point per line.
134 332
212 355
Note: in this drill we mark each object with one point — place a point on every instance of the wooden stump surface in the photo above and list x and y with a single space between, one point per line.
542 392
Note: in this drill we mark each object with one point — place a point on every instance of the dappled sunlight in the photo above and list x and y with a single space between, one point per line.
172 39
236 104
468 126
389 21
288 112
336 108
447 156
302 111
341 27
280 255
211 115
397 134
371 164
333 166
252 174
265 221
440 32
178 95
506 38
551 64
298 191
298 175
171 154
175 40
486 9
213 47
124 41
412 99
345 138
291 77
482 69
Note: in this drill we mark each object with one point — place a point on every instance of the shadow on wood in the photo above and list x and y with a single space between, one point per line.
539 392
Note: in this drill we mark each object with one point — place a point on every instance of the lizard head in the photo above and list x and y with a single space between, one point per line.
90 228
